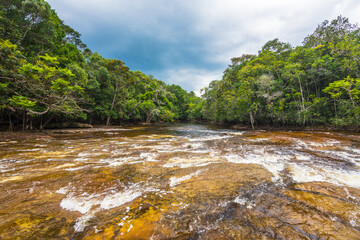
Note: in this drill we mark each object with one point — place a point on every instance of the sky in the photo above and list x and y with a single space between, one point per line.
191 42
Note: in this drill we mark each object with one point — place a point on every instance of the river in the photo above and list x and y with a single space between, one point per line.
182 181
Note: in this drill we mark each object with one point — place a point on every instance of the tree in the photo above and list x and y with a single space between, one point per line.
45 88
46 71
35 27
10 59
330 32
346 90
118 74
277 47
154 102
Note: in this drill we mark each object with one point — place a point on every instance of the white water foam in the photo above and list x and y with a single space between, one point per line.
344 155
355 150
302 157
311 145
189 162
209 138
30 150
114 162
89 204
176 181
84 154
120 198
148 157
81 204
64 190
75 168
83 221
66 165
304 173
40 145
190 147
236 133
244 202
186 165
4 169
111 133
272 162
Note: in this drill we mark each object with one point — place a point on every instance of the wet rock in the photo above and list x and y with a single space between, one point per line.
240 127
221 181
80 125
341 203
345 193
68 125
178 183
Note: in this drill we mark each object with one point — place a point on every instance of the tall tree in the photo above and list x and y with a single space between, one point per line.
330 32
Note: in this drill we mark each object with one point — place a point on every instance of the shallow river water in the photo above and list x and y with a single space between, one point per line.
181 182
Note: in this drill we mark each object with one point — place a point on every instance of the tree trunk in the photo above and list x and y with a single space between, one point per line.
302 100
17 119
112 104
31 123
33 20
47 121
23 122
353 103
41 123
252 120
10 124
108 121
149 117
137 104
317 88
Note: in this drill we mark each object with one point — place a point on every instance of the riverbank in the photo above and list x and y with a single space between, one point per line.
296 128
50 133
19 135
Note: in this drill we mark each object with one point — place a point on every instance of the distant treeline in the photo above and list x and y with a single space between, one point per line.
48 75
314 84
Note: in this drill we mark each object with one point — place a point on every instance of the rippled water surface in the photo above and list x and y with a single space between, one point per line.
181 182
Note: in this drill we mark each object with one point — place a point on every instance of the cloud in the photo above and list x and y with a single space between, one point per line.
182 40
191 78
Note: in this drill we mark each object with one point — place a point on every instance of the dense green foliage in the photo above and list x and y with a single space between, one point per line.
47 74
317 83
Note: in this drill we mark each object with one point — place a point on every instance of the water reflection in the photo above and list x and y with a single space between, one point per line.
181 182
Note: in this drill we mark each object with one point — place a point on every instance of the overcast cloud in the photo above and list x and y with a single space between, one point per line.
191 42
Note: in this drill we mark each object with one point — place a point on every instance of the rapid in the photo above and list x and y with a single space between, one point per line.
182 181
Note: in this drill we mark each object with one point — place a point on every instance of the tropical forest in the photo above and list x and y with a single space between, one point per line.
49 75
